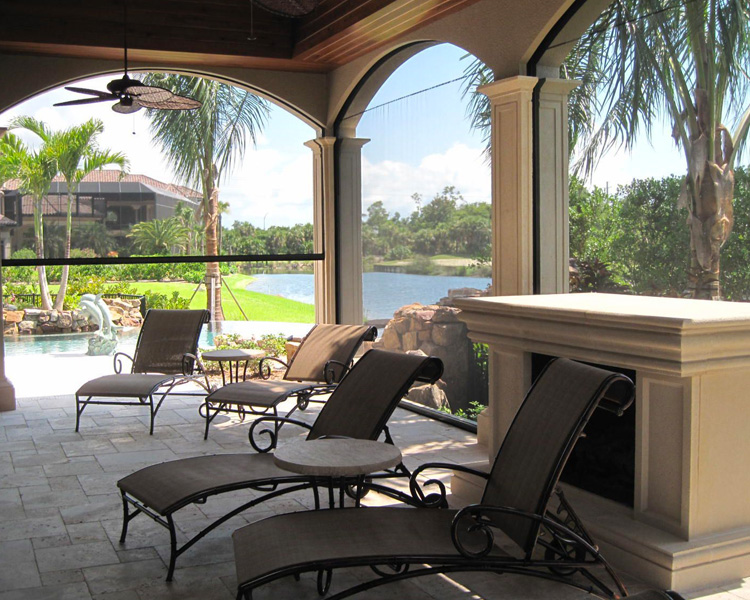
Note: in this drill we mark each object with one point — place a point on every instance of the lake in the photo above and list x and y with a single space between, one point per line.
384 293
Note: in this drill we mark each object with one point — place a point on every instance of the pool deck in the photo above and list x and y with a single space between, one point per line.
61 513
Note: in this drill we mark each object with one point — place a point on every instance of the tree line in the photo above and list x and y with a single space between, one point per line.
446 224
643 60
633 240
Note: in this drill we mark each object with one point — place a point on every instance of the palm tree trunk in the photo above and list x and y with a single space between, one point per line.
213 272
708 194
60 298
41 270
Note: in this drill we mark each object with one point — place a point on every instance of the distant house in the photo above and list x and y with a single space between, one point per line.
102 196
6 235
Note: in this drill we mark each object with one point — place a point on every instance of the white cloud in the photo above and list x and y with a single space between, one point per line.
272 188
393 183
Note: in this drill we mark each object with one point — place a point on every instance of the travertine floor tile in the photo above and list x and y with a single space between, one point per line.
61 512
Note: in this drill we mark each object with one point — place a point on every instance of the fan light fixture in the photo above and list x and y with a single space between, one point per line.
131 94
288 8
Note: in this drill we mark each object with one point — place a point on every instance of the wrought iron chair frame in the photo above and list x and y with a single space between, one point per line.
429 371
303 393
193 371
568 549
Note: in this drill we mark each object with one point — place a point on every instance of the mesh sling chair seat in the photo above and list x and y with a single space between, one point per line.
165 357
321 360
421 541
359 407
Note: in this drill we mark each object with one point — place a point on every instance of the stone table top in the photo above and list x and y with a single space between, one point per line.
336 457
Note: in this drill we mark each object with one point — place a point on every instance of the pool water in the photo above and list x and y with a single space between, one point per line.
61 343
77 343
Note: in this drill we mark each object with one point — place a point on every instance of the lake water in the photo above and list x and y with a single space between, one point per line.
384 293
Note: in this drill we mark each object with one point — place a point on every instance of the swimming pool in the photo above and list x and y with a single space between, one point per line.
77 343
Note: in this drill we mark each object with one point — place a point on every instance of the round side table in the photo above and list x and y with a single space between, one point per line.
233 359
340 460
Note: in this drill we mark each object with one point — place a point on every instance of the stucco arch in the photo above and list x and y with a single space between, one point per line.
301 94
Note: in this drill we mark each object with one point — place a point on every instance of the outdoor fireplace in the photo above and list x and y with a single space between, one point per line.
689 525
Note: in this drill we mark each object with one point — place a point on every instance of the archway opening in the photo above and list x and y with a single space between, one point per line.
142 230
426 228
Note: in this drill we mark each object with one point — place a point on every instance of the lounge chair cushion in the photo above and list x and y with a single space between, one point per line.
168 486
257 392
346 534
124 384
325 342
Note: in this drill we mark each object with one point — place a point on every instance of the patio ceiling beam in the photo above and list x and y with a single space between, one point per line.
162 57
156 27
342 30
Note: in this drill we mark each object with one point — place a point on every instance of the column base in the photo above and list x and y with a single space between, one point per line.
467 488
7 395
484 429
660 558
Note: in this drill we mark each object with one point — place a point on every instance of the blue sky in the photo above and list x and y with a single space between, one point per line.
418 145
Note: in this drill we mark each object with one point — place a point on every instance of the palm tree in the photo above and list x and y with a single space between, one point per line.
35 170
203 145
94 236
159 236
689 61
77 153
185 214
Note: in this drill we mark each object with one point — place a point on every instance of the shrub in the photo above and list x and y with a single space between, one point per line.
399 253
173 302
20 274
272 344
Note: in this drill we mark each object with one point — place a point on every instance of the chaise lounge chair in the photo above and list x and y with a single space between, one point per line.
322 359
165 357
358 408
514 507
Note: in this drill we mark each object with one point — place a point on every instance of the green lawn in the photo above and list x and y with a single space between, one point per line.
257 307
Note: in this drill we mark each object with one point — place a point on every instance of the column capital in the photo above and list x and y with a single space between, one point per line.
562 87
511 85
353 144
318 144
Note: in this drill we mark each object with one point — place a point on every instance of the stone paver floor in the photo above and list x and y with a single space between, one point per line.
60 513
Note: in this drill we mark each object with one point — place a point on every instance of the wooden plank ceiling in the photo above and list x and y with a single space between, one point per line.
213 32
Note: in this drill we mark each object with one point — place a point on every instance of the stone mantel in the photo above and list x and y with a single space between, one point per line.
667 335
690 522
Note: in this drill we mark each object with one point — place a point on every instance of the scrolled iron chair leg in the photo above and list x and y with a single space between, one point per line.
80 406
325 576
244 594
172 548
125 519
153 414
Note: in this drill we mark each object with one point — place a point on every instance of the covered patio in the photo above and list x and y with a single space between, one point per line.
61 513
58 519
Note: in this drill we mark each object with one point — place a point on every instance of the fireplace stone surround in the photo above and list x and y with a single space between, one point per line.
689 526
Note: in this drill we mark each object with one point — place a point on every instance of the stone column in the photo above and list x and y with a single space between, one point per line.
512 225
512 230
553 181
324 227
349 221
7 392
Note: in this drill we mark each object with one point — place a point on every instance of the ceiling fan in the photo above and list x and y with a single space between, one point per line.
132 95
288 8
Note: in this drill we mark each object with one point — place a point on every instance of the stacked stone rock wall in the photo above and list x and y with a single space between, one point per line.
28 321
436 330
